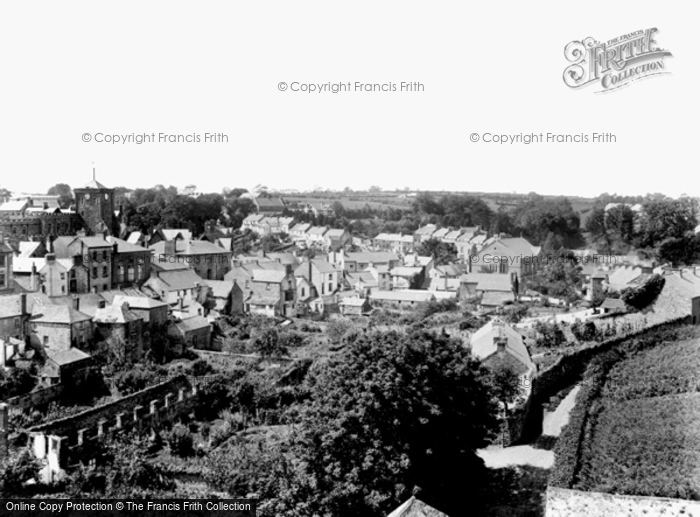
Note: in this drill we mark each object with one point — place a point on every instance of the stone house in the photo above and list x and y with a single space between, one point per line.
131 264
208 260
120 327
59 327
354 306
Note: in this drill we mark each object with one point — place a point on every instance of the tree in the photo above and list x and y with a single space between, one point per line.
550 335
506 383
390 416
16 381
64 193
269 345
180 441
16 471
538 216
442 252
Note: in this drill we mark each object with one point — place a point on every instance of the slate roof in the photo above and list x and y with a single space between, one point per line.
179 280
173 233
58 314
376 257
488 281
268 275
112 314
138 302
14 205
193 323
187 248
94 184
135 237
126 246
26 248
406 271
613 303
219 288
353 302
416 508
483 346
428 229
403 296
64 357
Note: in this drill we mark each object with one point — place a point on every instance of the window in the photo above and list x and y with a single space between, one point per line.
16 323
63 276
303 292
330 288
46 340
105 274
94 272
63 289
130 274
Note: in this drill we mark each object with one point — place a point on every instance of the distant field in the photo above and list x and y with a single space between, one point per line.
645 437
384 200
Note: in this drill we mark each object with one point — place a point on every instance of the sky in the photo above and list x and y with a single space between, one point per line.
83 70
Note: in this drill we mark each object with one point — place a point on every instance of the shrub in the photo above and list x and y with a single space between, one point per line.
134 380
201 368
642 296
180 441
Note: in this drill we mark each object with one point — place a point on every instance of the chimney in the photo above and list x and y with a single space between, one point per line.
500 343
50 258
101 304
182 303
3 354
76 303
310 268
33 287
169 248
680 272
23 304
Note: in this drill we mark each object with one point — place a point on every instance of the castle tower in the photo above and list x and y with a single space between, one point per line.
95 204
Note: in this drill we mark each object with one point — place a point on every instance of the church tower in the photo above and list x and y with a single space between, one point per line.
95 204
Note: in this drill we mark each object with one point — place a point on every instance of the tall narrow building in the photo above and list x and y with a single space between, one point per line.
95 204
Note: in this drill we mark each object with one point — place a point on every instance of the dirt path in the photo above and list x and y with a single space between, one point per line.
554 422
496 458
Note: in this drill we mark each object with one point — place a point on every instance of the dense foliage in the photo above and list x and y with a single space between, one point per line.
392 415
644 295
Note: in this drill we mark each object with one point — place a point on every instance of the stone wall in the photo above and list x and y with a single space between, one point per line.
563 502
66 440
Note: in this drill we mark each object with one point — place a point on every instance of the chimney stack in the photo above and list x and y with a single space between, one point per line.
76 303
33 287
169 248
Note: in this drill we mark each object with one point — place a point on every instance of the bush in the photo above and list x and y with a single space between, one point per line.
134 380
472 322
180 441
550 335
427 309
515 313
584 330
337 329
642 296
200 368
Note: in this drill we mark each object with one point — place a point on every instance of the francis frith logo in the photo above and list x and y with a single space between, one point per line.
616 62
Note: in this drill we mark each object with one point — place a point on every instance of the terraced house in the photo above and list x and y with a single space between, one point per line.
208 260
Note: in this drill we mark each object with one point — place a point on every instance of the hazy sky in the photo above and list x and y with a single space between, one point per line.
191 68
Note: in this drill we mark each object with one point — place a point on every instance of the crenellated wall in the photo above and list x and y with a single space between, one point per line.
62 442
